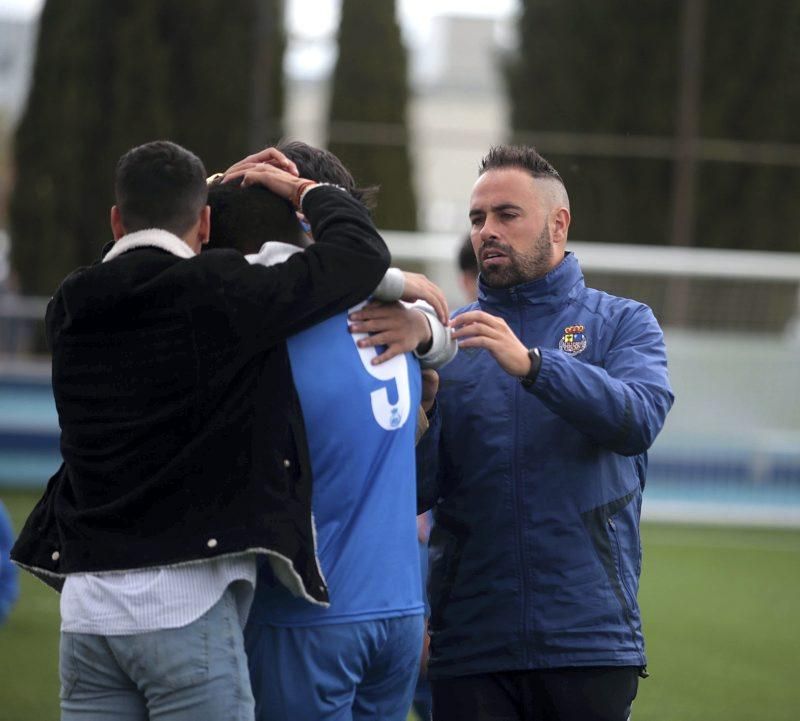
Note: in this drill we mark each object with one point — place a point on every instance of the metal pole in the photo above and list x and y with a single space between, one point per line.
688 126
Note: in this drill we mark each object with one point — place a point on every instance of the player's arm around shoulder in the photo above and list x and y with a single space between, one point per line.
443 347
341 268
421 327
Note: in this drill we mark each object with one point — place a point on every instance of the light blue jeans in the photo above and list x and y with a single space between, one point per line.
193 673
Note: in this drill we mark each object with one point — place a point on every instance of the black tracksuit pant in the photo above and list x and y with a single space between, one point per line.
564 694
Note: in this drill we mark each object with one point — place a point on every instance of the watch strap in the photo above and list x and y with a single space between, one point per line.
536 363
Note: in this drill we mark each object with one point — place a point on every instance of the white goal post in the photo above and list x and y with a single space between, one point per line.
730 451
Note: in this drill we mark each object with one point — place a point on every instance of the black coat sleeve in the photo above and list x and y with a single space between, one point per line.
341 268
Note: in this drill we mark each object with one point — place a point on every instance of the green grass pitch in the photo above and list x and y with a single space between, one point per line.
721 610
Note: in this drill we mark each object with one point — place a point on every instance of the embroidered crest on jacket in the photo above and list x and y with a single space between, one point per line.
573 341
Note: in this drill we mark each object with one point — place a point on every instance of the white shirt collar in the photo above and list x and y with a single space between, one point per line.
150 238
273 252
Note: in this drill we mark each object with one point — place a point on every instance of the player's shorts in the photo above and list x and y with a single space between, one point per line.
336 672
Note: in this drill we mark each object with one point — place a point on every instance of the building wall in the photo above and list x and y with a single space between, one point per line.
17 44
458 109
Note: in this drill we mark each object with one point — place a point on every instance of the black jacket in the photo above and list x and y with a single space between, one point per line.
181 430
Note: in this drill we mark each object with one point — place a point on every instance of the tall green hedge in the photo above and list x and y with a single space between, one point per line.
751 92
367 117
608 68
111 75
612 67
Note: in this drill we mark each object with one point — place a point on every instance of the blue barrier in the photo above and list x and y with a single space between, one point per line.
29 433
707 476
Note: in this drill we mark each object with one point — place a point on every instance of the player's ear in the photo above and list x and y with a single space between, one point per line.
117 227
204 228
559 225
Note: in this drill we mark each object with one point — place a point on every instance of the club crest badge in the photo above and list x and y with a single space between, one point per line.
573 341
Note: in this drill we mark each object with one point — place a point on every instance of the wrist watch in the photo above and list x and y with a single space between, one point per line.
536 363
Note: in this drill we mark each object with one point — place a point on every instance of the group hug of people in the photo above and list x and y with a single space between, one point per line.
255 407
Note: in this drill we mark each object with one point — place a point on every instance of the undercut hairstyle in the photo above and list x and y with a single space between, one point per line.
523 157
160 185
324 167
244 218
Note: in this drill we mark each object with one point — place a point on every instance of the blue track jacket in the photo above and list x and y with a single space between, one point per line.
535 554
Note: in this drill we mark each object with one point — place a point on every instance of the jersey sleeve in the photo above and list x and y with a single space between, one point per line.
443 346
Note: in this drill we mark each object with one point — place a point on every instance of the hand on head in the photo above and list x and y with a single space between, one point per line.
268 156
273 170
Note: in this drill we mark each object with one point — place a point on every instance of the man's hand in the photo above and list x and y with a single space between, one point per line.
399 328
268 156
430 386
418 287
477 329
279 181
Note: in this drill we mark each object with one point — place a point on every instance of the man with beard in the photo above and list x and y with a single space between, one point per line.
534 465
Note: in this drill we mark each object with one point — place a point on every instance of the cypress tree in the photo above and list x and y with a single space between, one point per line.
751 92
613 67
268 92
367 117
601 68
213 47
111 75
58 143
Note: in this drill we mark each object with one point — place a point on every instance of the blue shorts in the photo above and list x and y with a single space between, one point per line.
339 671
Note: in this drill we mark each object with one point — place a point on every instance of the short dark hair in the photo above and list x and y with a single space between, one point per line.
523 157
324 167
244 218
160 185
467 262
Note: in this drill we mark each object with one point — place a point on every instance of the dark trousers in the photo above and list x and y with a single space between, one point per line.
563 694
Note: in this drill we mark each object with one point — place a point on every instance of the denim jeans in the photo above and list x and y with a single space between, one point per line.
194 673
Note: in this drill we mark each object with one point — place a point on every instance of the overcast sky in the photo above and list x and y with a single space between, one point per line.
313 22
318 17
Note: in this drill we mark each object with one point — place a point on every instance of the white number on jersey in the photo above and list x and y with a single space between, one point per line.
389 416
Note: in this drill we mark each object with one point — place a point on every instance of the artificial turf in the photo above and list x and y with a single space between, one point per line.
721 608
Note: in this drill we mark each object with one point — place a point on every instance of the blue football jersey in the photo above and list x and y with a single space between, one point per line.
360 421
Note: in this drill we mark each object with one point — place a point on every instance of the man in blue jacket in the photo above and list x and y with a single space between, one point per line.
534 465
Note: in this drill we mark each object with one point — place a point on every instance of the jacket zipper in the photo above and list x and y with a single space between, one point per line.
623 585
518 503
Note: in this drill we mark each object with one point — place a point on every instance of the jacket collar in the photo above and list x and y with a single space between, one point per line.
550 290
273 252
150 238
